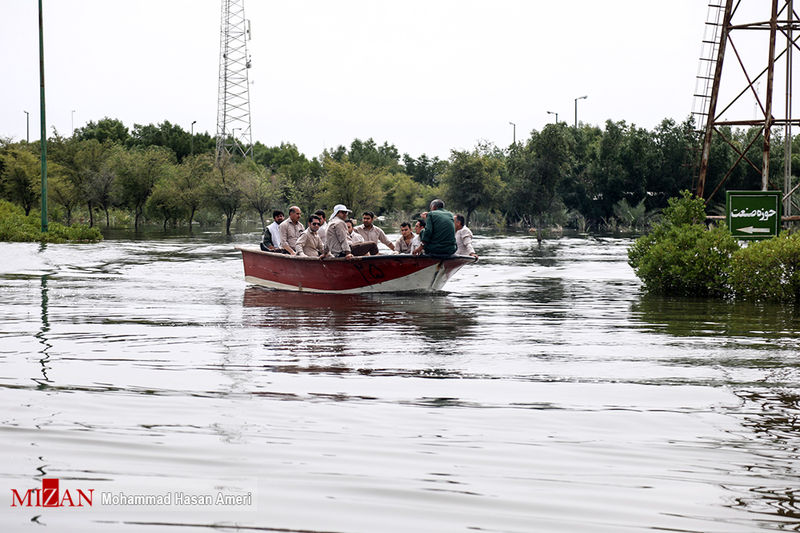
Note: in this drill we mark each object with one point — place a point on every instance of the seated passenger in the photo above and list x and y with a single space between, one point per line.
337 244
372 233
357 243
291 228
352 236
416 243
309 244
403 244
271 241
439 236
323 229
463 237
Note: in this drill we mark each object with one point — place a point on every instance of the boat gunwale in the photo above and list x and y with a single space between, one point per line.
380 257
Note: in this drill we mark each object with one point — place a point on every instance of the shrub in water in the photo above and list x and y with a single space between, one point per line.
768 270
681 256
684 260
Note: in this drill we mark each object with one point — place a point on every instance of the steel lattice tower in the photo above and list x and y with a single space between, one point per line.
233 108
748 43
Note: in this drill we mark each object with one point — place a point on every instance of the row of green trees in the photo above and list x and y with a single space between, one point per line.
588 177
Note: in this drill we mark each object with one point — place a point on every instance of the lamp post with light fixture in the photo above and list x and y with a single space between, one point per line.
576 109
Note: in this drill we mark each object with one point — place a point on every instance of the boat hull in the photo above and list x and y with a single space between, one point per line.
374 273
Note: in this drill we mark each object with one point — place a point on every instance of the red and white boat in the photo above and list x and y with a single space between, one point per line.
371 273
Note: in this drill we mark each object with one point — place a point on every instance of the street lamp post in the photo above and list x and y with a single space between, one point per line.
191 139
515 132
576 109
27 127
553 113
42 110
72 122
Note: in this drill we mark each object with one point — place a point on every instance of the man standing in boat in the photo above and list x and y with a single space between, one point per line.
336 238
439 235
291 228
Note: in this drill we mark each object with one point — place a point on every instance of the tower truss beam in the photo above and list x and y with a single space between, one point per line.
737 25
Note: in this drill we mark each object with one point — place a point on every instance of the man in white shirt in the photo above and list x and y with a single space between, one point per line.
352 236
463 237
271 241
416 243
372 233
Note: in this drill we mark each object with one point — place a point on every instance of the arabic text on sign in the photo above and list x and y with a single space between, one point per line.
760 213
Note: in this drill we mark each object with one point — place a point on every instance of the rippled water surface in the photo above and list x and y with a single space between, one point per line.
541 392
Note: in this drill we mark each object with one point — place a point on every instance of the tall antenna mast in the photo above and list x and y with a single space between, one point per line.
233 109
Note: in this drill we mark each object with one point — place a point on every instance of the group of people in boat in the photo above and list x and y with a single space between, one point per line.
436 232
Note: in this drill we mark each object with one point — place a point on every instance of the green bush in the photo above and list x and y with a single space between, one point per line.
768 270
687 209
681 256
16 227
684 260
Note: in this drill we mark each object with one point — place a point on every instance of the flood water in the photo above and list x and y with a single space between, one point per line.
541 392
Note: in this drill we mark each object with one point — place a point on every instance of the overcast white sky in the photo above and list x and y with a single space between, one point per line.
425 75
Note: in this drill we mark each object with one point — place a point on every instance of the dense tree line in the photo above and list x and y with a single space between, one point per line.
586 177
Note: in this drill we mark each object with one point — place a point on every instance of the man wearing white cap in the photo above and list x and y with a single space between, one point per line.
337 233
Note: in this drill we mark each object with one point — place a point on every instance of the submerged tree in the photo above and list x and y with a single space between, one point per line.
164 202
262 192
89 164
223 189
535 171
358 186
473 180
138 171
21 178
191 176
62 190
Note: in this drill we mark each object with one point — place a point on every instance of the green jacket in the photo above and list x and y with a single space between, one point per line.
439 235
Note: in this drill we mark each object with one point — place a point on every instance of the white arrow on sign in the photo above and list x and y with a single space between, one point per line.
751 230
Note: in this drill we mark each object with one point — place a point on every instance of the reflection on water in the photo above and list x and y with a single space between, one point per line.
771 422
541 392
691 317
755 347
436 317
41 335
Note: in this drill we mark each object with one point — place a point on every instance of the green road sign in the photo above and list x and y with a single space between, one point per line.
753 214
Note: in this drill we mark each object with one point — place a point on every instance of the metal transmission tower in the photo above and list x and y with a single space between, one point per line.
233 109
745 49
